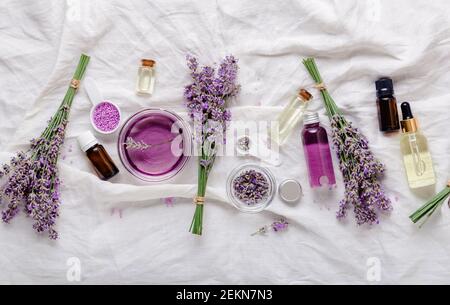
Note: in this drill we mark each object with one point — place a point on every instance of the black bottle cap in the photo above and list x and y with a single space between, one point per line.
385 87
406 111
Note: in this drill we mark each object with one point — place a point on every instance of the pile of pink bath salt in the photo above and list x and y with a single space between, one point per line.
106 116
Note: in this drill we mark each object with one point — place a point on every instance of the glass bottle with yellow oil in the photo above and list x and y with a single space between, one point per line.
414 148
290 116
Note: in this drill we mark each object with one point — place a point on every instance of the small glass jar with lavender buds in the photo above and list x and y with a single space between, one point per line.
251 188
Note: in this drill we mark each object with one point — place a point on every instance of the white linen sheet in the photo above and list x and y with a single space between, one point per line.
122 232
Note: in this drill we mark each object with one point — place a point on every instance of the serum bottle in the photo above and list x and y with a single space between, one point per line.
317 152
146 77
290 116
414 148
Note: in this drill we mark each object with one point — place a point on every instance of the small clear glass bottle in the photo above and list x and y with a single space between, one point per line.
290 116
317 152
146 77
414 148
96 153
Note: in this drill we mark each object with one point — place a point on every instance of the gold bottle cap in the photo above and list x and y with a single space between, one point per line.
305 95
409 125
148 62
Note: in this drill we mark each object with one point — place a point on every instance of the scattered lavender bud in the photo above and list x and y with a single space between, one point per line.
169 201
280 225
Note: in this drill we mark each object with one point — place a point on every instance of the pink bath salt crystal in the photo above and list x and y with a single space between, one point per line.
106 116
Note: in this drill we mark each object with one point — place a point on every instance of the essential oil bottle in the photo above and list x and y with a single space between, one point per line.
290 116
317 152
387 105
96 153
146 77
414 148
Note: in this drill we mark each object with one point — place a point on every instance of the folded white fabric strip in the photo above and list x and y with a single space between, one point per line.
122 232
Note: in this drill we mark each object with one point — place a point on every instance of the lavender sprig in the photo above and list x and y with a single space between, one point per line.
277 226
360 169
32 179
133 144
206 101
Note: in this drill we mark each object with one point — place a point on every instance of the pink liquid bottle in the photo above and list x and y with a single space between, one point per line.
317 152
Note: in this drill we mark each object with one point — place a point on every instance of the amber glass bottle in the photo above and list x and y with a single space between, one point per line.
387 105
96 153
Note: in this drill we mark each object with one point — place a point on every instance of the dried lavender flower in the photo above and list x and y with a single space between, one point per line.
280 225
251 187
133 144
277 226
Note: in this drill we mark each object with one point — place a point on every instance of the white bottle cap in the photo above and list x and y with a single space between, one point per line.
86 140
311 118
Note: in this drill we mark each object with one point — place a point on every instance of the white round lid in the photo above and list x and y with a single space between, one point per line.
86 140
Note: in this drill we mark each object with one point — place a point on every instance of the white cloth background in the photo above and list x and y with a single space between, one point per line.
121 231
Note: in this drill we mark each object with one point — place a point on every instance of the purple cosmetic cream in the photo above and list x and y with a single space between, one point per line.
164 144
105 117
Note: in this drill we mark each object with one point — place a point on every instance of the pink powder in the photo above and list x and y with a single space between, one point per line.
106 116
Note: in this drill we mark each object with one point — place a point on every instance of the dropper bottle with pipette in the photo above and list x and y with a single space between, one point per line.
414 148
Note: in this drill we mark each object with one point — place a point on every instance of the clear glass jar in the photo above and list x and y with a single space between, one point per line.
290 116
170 144
146 77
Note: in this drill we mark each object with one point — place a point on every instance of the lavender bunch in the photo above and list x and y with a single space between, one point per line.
359 167
32 180
206 101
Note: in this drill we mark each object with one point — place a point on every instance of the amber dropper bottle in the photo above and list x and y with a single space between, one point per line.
96 153
387 105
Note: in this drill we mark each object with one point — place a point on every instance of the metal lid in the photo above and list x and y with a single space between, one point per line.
290 191
311 118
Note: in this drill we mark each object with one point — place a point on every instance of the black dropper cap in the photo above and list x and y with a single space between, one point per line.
385 87
406 111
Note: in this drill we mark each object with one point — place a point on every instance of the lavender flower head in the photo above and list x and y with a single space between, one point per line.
206 97
32 182
360 170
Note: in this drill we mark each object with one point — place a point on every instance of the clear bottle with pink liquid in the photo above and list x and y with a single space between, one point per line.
317 152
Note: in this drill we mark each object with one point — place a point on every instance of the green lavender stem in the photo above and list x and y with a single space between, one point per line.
62 113
63 110
203 172
330 105
430 206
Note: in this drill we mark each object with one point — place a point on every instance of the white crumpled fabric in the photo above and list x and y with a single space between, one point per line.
122 232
